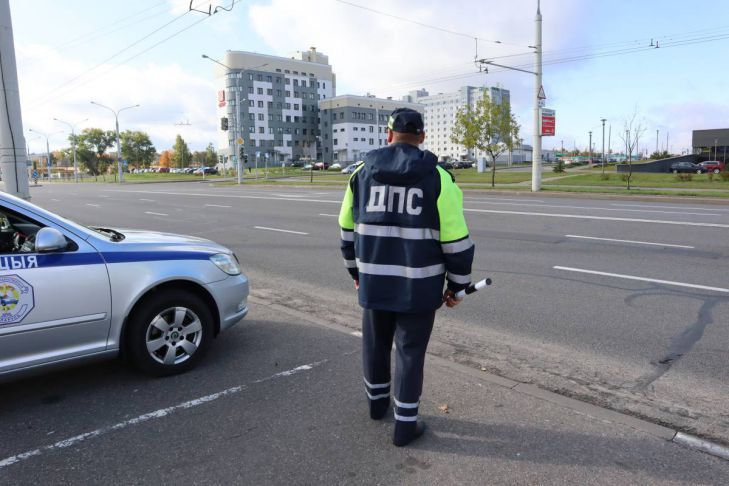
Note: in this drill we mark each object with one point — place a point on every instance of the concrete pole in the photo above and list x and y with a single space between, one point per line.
13 158
118 151
236 132
590 148
537 149
603 144
656 141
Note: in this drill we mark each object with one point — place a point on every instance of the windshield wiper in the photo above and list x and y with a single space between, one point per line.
114 234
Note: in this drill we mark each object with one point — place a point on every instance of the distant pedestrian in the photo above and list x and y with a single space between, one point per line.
403 235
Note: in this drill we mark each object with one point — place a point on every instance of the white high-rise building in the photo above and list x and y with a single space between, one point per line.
440 117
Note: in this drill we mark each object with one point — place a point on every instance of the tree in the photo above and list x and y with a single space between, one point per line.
489 127
91 146
633 130
660 155
181 155
165 159
137 148
211 156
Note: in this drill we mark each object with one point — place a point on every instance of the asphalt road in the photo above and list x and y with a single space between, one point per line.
653 348
621 303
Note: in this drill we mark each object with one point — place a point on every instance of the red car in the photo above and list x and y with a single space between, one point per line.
714 166
321 166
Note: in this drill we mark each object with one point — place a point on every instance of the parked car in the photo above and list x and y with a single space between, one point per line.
713 166
463 164
321 166
446 165
297 163
335 166
307 167
206 171
349 169
164 170
79 293
685 167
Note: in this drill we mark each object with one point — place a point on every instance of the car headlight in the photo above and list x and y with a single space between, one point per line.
227 263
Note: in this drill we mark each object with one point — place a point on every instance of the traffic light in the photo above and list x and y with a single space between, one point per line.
224 123
241 153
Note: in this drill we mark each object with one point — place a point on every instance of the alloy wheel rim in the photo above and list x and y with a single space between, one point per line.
173 336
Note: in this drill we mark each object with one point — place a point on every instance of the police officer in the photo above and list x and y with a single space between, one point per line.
403 235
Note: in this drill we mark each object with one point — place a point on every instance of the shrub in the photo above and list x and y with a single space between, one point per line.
625 177
724 175
559 166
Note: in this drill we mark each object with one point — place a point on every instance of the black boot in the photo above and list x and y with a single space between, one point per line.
406 432
378 408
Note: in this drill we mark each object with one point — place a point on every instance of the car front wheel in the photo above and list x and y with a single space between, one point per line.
716 171
698 171
675 171
169 333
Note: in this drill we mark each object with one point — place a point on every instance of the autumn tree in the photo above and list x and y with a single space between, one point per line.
91 147
137 148
165 159
489 127
211 156
181 155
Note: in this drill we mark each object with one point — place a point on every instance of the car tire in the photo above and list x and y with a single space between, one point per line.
675 171
716 171
169 332
698 171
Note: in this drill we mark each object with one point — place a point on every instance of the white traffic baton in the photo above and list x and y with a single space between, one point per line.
473 288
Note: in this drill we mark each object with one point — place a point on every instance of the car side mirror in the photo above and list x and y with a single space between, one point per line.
49 240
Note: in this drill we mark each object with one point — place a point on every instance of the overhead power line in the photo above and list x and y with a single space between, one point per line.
423 24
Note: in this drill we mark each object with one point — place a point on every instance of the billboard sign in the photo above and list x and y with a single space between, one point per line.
547 122
221 98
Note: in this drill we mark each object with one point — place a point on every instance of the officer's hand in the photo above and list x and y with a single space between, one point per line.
356 285
449 299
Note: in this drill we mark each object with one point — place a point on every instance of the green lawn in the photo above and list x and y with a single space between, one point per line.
699 181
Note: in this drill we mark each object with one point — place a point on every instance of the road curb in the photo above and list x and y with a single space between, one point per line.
594 411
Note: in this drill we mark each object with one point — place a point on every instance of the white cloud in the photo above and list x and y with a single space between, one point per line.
166 93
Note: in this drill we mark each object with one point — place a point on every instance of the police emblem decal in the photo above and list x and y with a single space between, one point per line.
16 299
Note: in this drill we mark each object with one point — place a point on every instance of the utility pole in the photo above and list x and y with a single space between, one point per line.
610 134
537 149
603 120
118 143
656 141
13 158
590 148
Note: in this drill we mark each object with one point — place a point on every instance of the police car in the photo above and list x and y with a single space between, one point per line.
69 293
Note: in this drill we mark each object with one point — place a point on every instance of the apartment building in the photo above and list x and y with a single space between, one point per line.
353 125
270 104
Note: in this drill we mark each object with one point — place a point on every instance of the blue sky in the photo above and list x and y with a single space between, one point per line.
673 88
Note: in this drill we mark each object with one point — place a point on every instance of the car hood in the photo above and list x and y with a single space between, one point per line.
138 240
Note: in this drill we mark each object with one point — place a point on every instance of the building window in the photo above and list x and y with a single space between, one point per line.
288 130
370 116
269 92
303 132
335 141
270 117
278 92
260 90
279 130
278 78
372 141
287 81
288 118
270 105
296 131
356 139
260 129
250 77
303 83
260 77
260 117
341 116
260 104
288 94
296 119
250 89
251 129
251 116
279 105
296 106
251 103
279 117
288 143
269 78
324 85
296 94
278 71
372 129
355 129
288 106
270 129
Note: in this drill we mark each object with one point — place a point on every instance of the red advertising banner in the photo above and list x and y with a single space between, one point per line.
221 98
548 122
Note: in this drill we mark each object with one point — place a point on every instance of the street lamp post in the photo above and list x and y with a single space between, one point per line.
590 149
72 126
118 143
48 151
236 131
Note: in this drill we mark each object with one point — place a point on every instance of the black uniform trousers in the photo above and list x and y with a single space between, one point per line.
411 333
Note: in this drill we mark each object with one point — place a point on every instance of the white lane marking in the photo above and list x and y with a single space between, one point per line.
330 215
628 241
602 218
667 207
488 199
162 412
643 279
217 206
56 200
280 230
146 200
289 195
155 214
93 205
587 208
235 196
356 333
